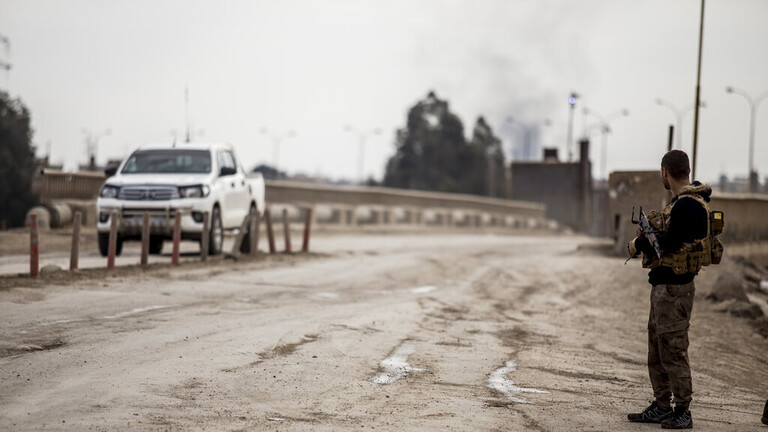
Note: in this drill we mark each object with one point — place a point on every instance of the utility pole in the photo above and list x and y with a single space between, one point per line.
753 104
572 103
362 138
698 96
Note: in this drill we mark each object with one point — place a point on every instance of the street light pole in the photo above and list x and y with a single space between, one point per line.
697 104
753 105
277 139
362 138
605 129
679 117
572 102
92 144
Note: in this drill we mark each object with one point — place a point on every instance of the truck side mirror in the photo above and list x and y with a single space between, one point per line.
110 171
227 171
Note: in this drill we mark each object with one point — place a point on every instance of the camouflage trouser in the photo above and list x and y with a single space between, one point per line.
668 323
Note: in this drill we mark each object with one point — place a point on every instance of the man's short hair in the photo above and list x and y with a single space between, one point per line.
676 164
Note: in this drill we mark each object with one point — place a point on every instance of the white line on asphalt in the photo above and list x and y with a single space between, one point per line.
396 365
499 382
325 295
423 289
135 311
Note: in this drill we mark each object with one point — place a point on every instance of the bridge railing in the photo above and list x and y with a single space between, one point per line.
58 185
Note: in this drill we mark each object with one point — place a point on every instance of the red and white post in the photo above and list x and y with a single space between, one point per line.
74 254
287 231
205 236
176 238
34 250
112 249
145 239
270 232
307 228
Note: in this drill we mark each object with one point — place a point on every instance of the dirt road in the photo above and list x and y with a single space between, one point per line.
398 332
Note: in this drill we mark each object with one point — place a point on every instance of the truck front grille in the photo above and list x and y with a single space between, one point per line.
149 193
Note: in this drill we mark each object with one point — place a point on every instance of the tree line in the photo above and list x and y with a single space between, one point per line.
17 161
432 153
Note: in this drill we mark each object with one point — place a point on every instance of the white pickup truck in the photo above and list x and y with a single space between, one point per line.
193 178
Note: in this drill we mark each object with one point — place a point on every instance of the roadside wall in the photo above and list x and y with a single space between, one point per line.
565 188
745 214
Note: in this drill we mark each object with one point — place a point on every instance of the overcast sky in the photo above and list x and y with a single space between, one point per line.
315 66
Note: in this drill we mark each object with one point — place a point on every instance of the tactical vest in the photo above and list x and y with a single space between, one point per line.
691 257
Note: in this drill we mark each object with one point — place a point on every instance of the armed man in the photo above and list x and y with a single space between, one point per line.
683 243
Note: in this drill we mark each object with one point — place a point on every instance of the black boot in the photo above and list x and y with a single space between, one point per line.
652 414
681 419
765 414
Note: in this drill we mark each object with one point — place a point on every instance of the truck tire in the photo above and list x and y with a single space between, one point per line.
155 245
216 235
245 246
104 245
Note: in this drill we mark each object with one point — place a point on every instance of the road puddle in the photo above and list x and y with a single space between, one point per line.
396 365
423 289
499 382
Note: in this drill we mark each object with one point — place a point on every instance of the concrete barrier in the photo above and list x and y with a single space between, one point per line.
42 220
746 215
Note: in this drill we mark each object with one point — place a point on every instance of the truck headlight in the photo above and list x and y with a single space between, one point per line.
197 191
109 191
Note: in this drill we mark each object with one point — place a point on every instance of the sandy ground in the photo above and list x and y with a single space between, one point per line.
387 332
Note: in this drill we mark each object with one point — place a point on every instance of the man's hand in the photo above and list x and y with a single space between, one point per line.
632 249
639 233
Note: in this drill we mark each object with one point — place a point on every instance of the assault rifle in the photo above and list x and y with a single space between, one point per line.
648 231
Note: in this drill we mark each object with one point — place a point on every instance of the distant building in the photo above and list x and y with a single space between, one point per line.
740 185
565 187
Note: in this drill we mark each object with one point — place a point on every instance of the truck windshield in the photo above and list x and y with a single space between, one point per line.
168 162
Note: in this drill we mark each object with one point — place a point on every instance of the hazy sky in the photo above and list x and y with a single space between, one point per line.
315 66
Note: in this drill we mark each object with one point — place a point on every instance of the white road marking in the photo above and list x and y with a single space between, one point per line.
325 295
423 289
135 311
499 382
396 365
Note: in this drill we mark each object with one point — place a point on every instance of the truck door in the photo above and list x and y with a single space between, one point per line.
241 200
227 185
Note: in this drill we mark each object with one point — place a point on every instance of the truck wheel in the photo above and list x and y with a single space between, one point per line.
104 245
245 247
216 236
155 245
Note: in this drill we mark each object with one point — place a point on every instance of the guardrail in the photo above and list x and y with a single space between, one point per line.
58 185
295 192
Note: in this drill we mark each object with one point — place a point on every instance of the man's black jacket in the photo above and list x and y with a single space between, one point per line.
687 223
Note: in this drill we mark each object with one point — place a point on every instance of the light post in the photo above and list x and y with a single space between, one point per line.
572 104
679 116
753 105
361 137
92 144
277 139
605 129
